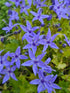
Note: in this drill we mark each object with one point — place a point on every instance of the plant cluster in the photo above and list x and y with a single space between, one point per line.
32 39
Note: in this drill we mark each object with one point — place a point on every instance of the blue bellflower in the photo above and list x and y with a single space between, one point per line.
24 7
40 4
35 61
16 57
14 16
67 6
9 27
48 41
60 10
17 2
8 4
45 82
39 16
28 29
33 42
8 73
47 68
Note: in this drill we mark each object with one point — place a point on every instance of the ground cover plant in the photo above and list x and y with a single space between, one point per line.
35 46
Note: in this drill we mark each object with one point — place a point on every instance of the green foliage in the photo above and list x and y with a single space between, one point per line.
3 15
20 86
65 87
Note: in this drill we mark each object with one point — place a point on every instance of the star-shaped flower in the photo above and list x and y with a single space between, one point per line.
9 27
33 42
35 61
14 16
24 7
8 73
17 2
60 10
39 16
16 57
47 68
8 4
45 82
48 41
28 29
40 4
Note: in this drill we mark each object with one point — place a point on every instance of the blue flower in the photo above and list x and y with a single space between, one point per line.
40 4
60 10
67 6
8 73
9 27
35 61
48 41
28 29
33 42
17 2
47 68
38 15
49 18
16 57
45 82
8 4
24 7
14 16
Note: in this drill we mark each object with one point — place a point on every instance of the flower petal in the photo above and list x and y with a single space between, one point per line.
48 60
48 34
35 18
56 86
35 69
27 63
18 51
27 46
44 16
13 76
45 47
40 88
23 57
23 28
28 25
41 20
6 78
53 45
31 55
18 63
41 56
34 48
35 81
33 13
53 37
